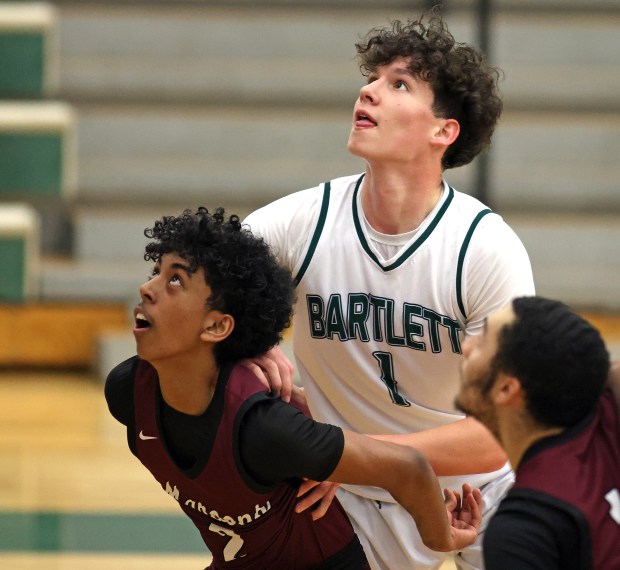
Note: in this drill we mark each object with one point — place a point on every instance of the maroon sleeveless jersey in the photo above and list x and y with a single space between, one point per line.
243 527
582 474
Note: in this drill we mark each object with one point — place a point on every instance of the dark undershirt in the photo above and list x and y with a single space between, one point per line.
526 534
276 440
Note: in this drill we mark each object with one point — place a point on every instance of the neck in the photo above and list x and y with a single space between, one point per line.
519 437
396 202
188 384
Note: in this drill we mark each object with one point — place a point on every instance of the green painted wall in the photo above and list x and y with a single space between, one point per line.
12 269
30 163
21 64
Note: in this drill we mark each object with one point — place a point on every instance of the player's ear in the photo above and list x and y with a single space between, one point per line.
217 326
446 132
507 391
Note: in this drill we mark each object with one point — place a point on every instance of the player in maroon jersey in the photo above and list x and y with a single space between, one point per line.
232 455
539 378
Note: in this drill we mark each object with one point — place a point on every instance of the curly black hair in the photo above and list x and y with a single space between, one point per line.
464 86
245 277
559 358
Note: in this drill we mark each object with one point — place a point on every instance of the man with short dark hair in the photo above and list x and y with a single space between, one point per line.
539 378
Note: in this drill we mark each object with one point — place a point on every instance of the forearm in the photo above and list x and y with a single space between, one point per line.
460 448
407 476
417 490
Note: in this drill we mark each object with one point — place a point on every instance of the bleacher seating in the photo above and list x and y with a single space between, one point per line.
37 133
187 103
19 252
28 65
37 183
37 150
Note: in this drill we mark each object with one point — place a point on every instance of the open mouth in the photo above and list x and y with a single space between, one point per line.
361 117
141 321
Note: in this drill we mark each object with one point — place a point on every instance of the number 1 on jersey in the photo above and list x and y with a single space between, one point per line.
386 366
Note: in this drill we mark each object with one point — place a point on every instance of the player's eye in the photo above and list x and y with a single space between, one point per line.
401 85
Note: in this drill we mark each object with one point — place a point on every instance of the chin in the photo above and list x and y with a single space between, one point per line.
355 146
351 148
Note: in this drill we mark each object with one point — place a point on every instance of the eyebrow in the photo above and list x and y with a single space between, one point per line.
396 70
403 71
182 267
485 324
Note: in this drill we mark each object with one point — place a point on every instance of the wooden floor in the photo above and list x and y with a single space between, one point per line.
72 497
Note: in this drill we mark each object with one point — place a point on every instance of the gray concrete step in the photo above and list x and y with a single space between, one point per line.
575 258
209 153
214 103
292 55
214 155
559 60
72 280
557 162
117 234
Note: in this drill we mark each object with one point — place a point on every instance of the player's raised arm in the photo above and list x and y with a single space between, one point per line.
408 476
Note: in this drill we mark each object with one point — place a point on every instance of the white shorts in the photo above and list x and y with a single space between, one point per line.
392 542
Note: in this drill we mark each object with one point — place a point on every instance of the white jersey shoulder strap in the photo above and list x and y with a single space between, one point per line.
316 235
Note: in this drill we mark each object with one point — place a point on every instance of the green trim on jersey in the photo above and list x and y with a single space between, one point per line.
317 233
461 261
413 247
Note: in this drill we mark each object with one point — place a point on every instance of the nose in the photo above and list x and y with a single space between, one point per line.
368 93
147 291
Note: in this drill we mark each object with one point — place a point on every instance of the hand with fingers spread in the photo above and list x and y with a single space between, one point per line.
464 514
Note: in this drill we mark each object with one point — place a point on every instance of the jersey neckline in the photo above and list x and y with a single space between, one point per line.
418 239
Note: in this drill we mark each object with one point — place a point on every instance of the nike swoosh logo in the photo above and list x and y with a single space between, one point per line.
145 437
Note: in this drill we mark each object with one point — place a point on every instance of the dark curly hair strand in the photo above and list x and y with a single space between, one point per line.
464 86
245 278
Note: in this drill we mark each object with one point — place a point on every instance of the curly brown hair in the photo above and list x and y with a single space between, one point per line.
464 86
245 278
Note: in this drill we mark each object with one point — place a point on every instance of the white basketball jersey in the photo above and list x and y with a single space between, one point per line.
378 342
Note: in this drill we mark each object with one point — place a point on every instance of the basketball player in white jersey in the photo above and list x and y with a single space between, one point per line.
394 269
